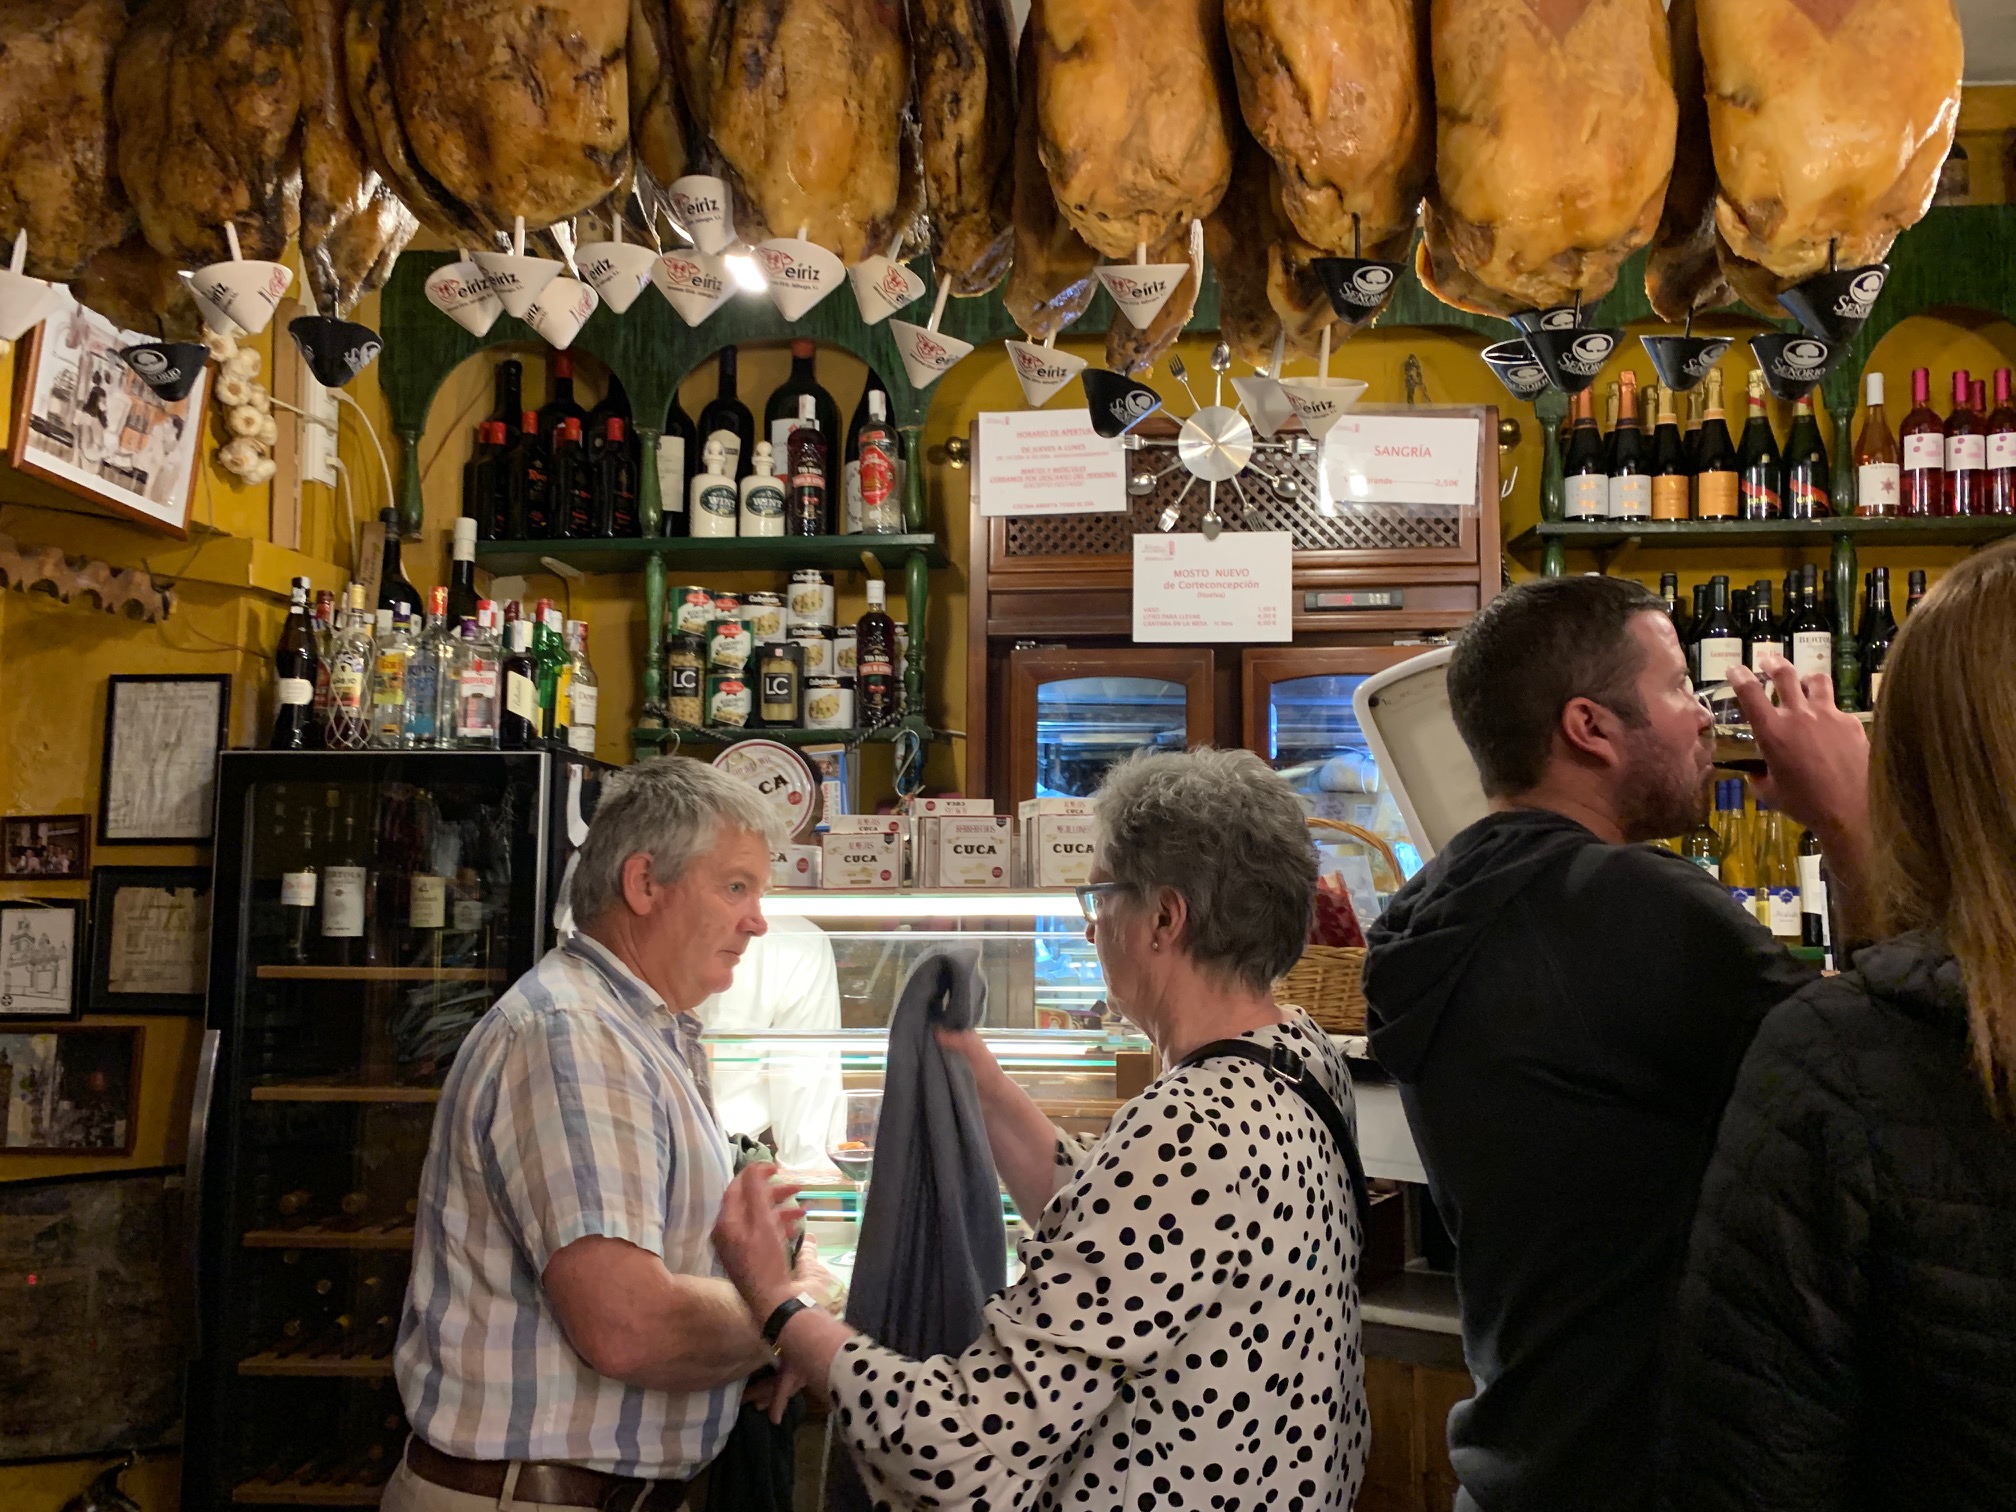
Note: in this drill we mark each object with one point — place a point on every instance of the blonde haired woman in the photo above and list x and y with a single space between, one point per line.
1848 1322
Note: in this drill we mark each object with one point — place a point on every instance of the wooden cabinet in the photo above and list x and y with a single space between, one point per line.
1071 712
1408 1469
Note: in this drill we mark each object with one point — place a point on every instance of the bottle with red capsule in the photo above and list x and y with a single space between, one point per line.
1922 438
2001 427
1966 452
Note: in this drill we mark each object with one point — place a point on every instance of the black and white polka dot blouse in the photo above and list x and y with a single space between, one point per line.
1185 1333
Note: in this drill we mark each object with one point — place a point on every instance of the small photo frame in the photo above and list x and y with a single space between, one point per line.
41 955
70 1089
162 735
150 939
45 845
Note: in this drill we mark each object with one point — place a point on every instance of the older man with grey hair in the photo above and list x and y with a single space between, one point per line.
567 1339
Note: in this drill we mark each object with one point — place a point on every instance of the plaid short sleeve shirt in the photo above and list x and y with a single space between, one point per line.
573 1109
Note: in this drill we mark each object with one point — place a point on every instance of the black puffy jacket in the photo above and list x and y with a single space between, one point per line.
1848 1319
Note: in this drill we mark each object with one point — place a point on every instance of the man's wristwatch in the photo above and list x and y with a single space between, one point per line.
789 1308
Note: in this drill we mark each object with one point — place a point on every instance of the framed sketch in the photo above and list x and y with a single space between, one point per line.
85 422
150 939
41 948
69 1090
45 845
162 735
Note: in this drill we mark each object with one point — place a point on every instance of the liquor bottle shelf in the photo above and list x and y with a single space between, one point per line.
297 1494
726 554
713 736
315 1236
1866 531
377 974
359 1367
337 1091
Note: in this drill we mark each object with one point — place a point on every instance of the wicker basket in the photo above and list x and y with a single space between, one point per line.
1328 982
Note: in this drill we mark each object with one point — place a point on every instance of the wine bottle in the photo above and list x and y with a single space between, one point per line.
781 414
1814 930
2001 449
1702 844
1878 631
1715 480
510 376
678 452
560 406
1721 641
573 484
518 721
393 587
616 484
1671 480
1917 592
1630 467
1922 438
528 487
294 676
1586 484
726 420
1778 875
343 885
1669 597
300 887
1739 847
1760 468
1966 452
613 405
479 479
1760 634
1808 481
1812 635
462 598
1878 480
875 695
1696 622
805 501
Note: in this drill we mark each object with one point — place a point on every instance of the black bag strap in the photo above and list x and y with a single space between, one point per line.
1287 1065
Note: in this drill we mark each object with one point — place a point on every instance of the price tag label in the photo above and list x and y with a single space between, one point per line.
1236 588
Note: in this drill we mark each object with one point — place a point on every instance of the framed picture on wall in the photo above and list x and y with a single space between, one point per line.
45 845
41 953
88 424
150 939
70 1089
162 735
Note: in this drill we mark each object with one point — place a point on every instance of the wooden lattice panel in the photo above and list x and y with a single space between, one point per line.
1355 527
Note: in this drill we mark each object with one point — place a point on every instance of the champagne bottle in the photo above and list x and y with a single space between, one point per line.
1715 479
1808 484
1586 483
1760 469
1671 480
1630 470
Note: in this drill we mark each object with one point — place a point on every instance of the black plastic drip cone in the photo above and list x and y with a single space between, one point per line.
169 368
1792 361
1683 361
1116 402
1359 287
337 350
1833 306
1572 358
1557 318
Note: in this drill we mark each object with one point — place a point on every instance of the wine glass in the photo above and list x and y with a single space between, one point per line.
850 1138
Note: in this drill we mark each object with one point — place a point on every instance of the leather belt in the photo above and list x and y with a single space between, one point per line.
546 1484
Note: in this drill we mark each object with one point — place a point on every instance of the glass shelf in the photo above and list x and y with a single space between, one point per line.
841 553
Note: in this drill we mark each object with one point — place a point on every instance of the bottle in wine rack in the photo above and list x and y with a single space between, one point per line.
1760 468
1917 592
2001 428
1878 476
344 886
1586 482
1760 634
1966 452
1922 438
1808 481
300 886
1811 637
1715 477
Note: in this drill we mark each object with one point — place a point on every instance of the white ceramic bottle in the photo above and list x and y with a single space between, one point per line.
763 496
714 504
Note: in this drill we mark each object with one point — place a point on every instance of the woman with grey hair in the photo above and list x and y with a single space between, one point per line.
1186 1329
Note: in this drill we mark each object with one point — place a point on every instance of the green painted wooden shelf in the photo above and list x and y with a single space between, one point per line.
1868 533
727 554
653 736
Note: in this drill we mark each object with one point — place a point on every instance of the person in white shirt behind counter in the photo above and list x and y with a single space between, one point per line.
786 980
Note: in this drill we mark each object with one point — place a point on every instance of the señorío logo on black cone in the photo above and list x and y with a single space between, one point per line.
1683 361
336 350
1791 362
1572 358
1834 306
1116 402
1513 362
169 368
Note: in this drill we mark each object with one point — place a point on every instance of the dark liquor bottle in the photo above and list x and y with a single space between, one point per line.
1630 464
510 390
1721 640
806 496
726 419
1922 437
875 697
1792 581
1917 594
393 588
300 889
1669 595
1879 484
2001 428
1878 631
1760 634
678 451
1966 452
1760 469
325 646
614 405
1810 637
1671 479
781 413
479 479
345 884
294 674
560 405
1715 466
1586 483
573 484
462 599
616 484
1813 927
518 721
528 480
1808 482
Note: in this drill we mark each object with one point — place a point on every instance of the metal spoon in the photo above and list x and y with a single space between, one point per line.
1211 524
1221 364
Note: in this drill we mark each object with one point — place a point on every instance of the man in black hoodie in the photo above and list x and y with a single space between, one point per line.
1565 1008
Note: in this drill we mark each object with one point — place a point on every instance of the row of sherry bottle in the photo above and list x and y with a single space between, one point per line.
1961 464
564 473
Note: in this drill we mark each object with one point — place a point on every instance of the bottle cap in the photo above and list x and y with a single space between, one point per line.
570 430
878 404
563 365
808 408
614 430
1875 388
437 601
803 346
761 463
712 458
384 620
878 594
539 608
528 422
465 530
521 635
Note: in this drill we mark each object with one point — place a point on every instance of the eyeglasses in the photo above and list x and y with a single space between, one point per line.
1089 896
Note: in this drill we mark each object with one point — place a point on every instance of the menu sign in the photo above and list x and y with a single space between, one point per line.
1236 588
1402 459
1034 462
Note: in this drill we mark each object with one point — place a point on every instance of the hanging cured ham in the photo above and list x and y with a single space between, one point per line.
1830 120
207 95
1554 137
57 177
1682 273
1133 103
1339 93
1050 280
966 108
1266 286
657 127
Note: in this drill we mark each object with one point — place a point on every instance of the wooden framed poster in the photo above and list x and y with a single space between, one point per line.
150 939
41 958
162 735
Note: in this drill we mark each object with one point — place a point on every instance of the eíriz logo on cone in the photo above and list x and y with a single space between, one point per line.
1137 290
1035 365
